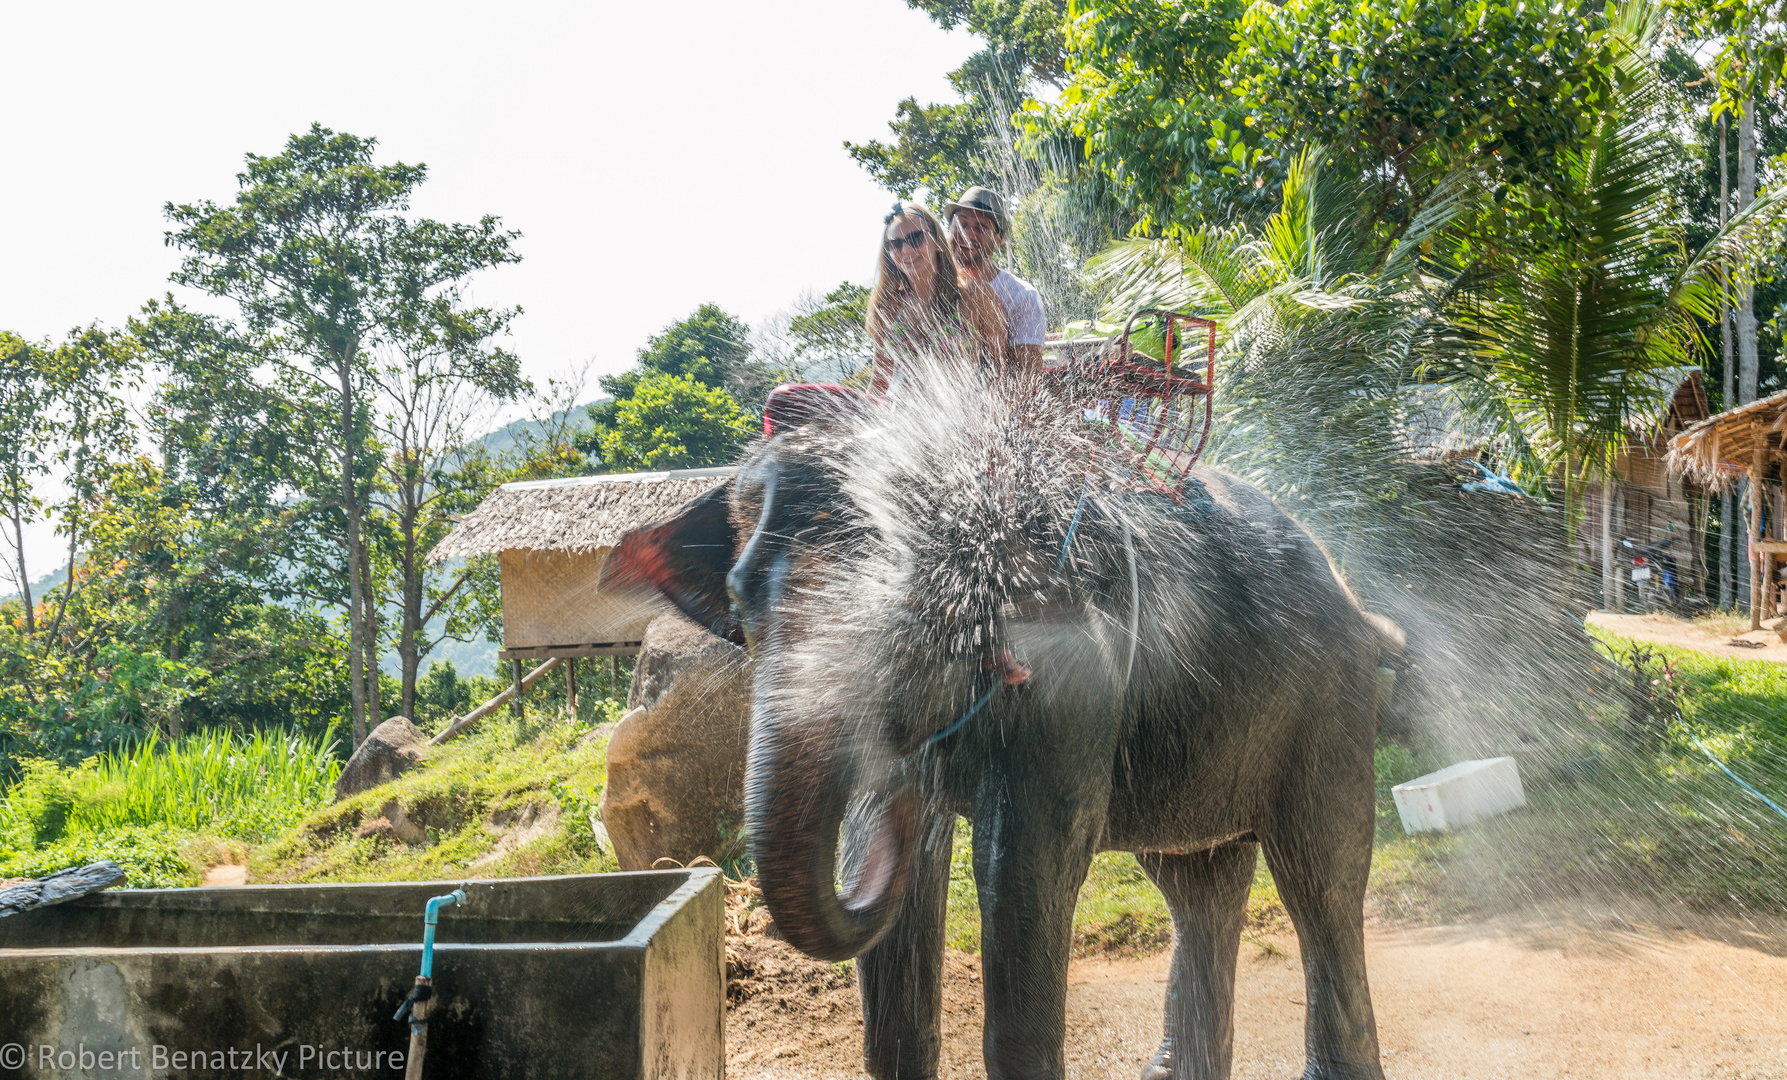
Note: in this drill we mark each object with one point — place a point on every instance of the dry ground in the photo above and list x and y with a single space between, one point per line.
1715 635
1610 990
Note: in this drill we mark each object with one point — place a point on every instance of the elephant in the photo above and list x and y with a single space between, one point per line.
952 613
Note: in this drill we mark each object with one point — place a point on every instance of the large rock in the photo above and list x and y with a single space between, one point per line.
394 748
676 761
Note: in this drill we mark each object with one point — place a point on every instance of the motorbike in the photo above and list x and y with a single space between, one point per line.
1655 575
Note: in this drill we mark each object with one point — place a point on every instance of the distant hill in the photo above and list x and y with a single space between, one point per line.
41 585
509 436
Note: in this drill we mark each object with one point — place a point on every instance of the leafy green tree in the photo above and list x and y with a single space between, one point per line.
944 148
324 269
61 409
157 628
938 149
1576 334
711 346
673 422
1195 106
25 396
832 335
433 380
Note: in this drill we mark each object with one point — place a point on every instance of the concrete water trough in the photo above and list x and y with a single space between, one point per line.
602 975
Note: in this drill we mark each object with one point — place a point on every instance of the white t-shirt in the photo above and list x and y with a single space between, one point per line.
1023 308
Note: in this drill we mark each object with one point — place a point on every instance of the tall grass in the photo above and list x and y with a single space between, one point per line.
248 786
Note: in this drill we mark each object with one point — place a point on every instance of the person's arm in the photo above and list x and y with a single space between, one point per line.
880 371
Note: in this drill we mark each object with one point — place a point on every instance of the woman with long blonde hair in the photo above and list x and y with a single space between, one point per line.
923 311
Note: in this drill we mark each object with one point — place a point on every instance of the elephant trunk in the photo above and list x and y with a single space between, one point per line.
796 799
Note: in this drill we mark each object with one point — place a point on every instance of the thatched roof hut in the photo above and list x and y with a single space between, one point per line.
551 538
1747 443
1724 448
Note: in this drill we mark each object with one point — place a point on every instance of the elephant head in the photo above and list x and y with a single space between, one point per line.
848 573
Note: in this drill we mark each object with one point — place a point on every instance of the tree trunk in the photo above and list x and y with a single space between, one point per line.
18 533
1746 302
374 708
356 584
1746 320
1728 383
1609 574
414 590
1750 532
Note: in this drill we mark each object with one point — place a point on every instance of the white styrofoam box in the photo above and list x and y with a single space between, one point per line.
1459 794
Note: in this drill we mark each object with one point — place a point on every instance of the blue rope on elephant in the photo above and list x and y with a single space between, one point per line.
1074 525
979 703
1135 607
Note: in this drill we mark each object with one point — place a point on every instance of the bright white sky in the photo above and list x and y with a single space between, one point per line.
655 156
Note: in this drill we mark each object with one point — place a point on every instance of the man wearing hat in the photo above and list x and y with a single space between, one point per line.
978 228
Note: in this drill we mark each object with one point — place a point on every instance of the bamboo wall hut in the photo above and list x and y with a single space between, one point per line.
1745 444
551 538
1651 501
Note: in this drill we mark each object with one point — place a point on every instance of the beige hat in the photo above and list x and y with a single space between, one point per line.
987 201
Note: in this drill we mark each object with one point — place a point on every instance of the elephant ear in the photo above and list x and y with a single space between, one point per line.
685 558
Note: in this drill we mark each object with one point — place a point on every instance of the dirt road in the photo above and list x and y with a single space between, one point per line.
1668 630
1596 991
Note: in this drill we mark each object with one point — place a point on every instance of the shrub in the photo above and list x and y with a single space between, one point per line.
139 806
150 855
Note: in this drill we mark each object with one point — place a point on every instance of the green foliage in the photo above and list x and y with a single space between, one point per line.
143 806
1576 333
1194 107
680 408
937 149
673 422
351 323
60 406
942 149
162 625
831 336
1145 95
1424 85
710 346
238 787
151 856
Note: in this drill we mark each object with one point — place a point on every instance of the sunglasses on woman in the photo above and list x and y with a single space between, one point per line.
914 240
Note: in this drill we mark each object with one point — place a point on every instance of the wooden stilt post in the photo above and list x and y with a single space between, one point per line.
1757 563
571 687
614 676
515 706
494 703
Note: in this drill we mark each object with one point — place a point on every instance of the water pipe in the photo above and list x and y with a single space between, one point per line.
416 1006
431 917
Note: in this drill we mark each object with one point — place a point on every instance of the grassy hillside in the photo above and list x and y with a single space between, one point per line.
1620 817
500 801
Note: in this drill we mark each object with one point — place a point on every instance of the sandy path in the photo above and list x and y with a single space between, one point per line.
1669 630
1567 993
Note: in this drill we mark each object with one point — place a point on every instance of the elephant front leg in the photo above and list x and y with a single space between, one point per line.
902 976
1028 869
1319 850
1207 894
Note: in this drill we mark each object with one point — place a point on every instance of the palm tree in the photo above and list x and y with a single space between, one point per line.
1321 324
1573 337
